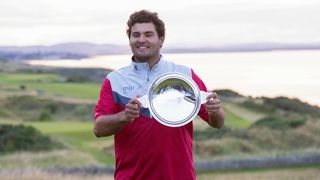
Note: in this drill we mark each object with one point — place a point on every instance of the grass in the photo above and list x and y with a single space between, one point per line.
53 158
283 173
235 121
296 173
310 173
22 77
50 84
243 112
30 174
89 91
76 136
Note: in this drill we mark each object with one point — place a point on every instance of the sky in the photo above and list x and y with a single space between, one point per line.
188 22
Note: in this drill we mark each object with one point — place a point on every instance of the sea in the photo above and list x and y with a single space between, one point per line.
293 73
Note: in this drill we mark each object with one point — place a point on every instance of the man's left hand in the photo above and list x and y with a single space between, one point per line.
213 104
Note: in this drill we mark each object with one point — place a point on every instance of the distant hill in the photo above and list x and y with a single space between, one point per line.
60 51
246 47
79 50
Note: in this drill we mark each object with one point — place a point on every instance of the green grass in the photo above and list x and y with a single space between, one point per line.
243 112
59 127
23 78
283 173
78 136
89 91
50 85
235 121
75 135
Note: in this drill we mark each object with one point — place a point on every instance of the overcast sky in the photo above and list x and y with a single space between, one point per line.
188 22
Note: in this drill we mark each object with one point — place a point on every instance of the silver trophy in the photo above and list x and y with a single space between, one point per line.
173 99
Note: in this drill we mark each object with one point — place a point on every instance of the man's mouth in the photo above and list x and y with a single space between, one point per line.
142 47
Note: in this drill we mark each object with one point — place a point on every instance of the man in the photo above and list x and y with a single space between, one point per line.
144 148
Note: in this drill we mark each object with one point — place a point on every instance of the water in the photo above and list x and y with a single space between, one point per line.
295 74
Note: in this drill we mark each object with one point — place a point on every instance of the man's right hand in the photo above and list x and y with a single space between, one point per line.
132 110
107 125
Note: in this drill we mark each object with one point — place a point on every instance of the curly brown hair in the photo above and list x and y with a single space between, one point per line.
145 16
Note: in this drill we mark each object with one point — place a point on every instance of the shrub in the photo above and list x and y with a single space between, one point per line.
24 138
259 107
77 78
275 122
45 115
293 105
23 87
224 146
228 93
24 102
4 113
82 110
52 107
210 133
33 108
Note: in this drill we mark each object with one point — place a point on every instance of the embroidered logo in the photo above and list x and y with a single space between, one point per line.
128 88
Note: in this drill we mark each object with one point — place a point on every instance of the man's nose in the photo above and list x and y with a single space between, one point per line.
142 38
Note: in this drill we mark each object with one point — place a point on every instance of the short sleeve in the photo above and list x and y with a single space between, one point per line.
202 113
105 104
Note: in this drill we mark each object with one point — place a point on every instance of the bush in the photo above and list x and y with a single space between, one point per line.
77 78
33 108
45 115
82 110
52 107
25 102
228 93
24 138
4 113
275 122
210 133
23 87
258 107
224 146
293 105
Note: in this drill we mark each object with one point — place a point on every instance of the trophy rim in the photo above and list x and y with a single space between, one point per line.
195 89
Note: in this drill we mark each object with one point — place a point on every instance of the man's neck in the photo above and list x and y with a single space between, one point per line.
154 61
151 62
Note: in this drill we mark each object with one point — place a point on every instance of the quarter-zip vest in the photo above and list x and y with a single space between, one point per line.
144 148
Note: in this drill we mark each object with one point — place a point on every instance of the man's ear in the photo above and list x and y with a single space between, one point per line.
161 41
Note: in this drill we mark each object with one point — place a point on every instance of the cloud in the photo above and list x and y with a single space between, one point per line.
192 22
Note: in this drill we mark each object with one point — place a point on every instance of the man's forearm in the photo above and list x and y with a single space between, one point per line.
109 124
216 120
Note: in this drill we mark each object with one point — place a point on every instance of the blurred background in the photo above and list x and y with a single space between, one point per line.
261 57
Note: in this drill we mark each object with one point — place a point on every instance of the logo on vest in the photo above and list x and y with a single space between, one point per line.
127 89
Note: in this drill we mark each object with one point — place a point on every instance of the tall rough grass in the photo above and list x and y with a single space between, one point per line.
273 174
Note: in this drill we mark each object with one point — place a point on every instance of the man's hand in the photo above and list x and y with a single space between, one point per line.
107 125
216 114
132 110
213 104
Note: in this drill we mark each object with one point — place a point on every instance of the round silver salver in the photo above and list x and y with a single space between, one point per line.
173 99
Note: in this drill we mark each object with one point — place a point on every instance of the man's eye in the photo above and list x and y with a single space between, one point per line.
149 34
135 35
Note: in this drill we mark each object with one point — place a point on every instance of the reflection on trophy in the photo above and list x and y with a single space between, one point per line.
174 99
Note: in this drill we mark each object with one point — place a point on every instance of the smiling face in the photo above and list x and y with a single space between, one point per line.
145 43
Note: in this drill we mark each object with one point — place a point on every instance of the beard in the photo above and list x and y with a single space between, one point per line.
144 56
